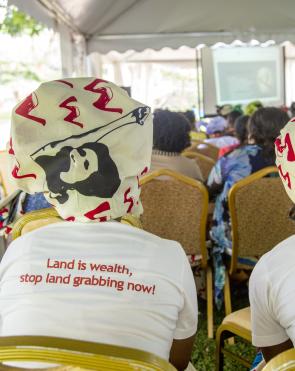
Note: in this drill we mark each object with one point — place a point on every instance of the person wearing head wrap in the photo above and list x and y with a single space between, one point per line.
252 107
216 132
263 127
84 143
271 286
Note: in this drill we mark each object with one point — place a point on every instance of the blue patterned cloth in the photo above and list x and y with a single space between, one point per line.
33 202
228 170
257 361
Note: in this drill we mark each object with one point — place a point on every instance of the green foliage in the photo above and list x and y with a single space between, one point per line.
10 71
17 23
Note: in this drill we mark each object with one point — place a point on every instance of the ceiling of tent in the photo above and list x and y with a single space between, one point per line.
139 24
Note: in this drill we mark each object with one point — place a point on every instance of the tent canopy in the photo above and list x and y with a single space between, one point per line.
139 24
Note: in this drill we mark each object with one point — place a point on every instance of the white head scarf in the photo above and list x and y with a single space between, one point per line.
84 143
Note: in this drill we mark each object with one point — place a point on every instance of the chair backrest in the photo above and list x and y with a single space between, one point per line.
282 362
205 163
206 149
84 354
176 207
39 218
259 210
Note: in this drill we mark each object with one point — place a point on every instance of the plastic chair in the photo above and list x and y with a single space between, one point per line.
259 211
84 354
235 324
175 207
282 362
204 162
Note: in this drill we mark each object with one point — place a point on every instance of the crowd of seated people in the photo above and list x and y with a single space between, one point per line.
263 128
82 176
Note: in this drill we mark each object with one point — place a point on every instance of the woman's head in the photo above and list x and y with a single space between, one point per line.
171 131
264 126
231 119
83 142
241 128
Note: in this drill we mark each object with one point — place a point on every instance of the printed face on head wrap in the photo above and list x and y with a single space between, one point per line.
285 158
89 168
87 172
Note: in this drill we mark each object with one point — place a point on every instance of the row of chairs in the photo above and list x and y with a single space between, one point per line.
178 210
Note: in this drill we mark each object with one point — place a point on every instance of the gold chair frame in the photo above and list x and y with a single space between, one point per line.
213 150
232 325
204 260
84 354
196 155
234 226
282 362
228 328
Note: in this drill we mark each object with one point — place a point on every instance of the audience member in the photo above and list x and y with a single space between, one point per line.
240 132
191 118
292 109
231 119
224 110
82 278
264 126
171 137
216 132
271 287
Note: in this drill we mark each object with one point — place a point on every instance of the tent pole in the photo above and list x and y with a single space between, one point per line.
199 83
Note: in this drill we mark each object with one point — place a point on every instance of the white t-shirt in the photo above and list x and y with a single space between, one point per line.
104 282
272 296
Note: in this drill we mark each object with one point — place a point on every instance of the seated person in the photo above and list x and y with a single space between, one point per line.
264 127
271 287
240 132
216 132
195 134
90 277
231 119
171 137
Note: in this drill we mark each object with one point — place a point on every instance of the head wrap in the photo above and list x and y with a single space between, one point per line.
84 143
285 157
218 123
252 107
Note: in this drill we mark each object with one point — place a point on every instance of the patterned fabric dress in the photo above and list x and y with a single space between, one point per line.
228 170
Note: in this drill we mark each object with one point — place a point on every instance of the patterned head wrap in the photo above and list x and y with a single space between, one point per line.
285 157
84 143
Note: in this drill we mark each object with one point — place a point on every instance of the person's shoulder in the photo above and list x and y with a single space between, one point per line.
284 249
278 258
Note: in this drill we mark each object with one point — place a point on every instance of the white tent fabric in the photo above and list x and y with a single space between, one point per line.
139 24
